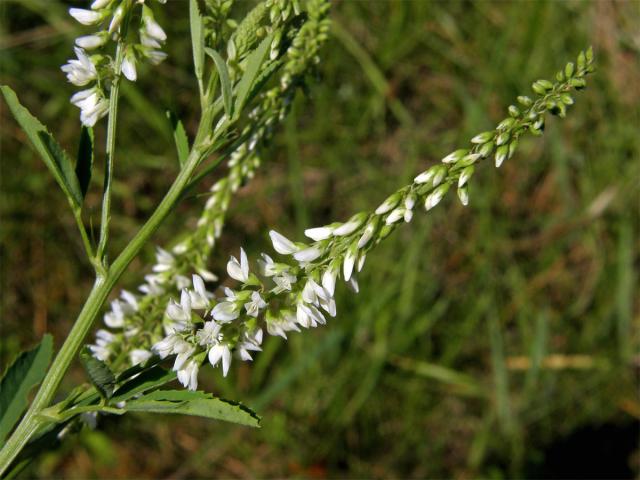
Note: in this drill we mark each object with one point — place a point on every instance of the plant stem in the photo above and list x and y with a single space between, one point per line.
77 213
101 289
110 149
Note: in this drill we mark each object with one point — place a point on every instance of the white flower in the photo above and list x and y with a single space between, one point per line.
239 270
130 299
347 266
129 66
184 350
164 260
138 356
433 199
251 343
353 284
424 177
93 106
101 349
209 334
98 4
199 296
307 255
319 233
309 316
501 156
225 312
156 57
188 375
282 244
350 226
388 204
207 275
116 317
463 195
220 352
85 17
151 27
464 176
361 260
181 281
164 347
89 42
267 265
279 326
284 281
408 215
366 235
80 71
181 312
410 202
329 280
454 156
253 307
152 286
394 216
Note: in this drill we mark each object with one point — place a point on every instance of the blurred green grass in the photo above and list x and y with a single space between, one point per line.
481 336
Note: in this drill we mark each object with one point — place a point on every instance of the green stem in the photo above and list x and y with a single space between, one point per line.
86 242
110 149
101 289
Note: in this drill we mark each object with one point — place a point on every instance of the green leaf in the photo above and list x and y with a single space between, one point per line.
225 84
52 154
199 404
26 371
84 165
99 373
197 38
254 62
180 138
145 381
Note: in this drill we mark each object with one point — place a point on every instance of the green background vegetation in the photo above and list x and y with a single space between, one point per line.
484 340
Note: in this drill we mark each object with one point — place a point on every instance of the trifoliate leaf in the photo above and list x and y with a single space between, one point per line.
50 151
225 84
254 62
199 404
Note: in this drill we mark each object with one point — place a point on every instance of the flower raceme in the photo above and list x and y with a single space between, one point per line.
171 273
287 296
111 17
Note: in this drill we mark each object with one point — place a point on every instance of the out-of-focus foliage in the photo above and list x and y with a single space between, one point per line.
484 340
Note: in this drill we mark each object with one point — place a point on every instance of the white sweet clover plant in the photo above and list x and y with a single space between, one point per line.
247 73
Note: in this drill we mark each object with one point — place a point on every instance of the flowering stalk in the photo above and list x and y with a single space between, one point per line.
285 296
206 140
134 322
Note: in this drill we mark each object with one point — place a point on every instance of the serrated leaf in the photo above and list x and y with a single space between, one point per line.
143 382
254 62
201 404
225 84
99 373
84 165
54 157
197 38
180 138
26 371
